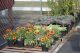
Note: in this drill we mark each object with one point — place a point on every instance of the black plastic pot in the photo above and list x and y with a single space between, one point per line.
44 48
20 43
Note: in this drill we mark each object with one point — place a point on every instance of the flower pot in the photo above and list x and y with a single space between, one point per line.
10 43
20 43
44 48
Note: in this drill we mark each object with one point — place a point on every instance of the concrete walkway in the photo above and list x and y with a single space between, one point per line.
73 44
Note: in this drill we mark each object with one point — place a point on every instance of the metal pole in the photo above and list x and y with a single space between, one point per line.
41 6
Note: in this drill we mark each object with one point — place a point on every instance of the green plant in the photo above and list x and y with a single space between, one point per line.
54 7
35 35
20 31
47 33
29 36
10 35
63 7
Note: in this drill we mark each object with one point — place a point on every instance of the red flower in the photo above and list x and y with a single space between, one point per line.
52 32
48 35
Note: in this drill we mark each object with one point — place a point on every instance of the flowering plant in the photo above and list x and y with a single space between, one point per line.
29 35
10 35
15 34
45 34
35 34
20 31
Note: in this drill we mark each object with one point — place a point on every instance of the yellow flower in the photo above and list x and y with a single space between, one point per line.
36 32
42 39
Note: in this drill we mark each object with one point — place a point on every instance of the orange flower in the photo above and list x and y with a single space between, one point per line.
5 35
52 32
48 35
42 39
14 37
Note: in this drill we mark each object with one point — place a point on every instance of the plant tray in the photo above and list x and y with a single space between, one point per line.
27 50
37 49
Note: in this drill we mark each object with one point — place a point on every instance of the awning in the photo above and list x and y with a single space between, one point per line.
6 4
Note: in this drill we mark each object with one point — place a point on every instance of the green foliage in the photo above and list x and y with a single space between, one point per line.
54 7
63 7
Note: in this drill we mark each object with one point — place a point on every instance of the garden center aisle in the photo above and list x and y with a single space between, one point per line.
72 45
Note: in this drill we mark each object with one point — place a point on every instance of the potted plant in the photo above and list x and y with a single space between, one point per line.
45 41
45 35
20 31
10 36
29 40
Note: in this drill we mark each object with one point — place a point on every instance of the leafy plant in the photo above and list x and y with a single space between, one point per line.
54 7
63 7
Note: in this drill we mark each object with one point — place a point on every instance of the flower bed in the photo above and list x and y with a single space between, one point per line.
34 35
